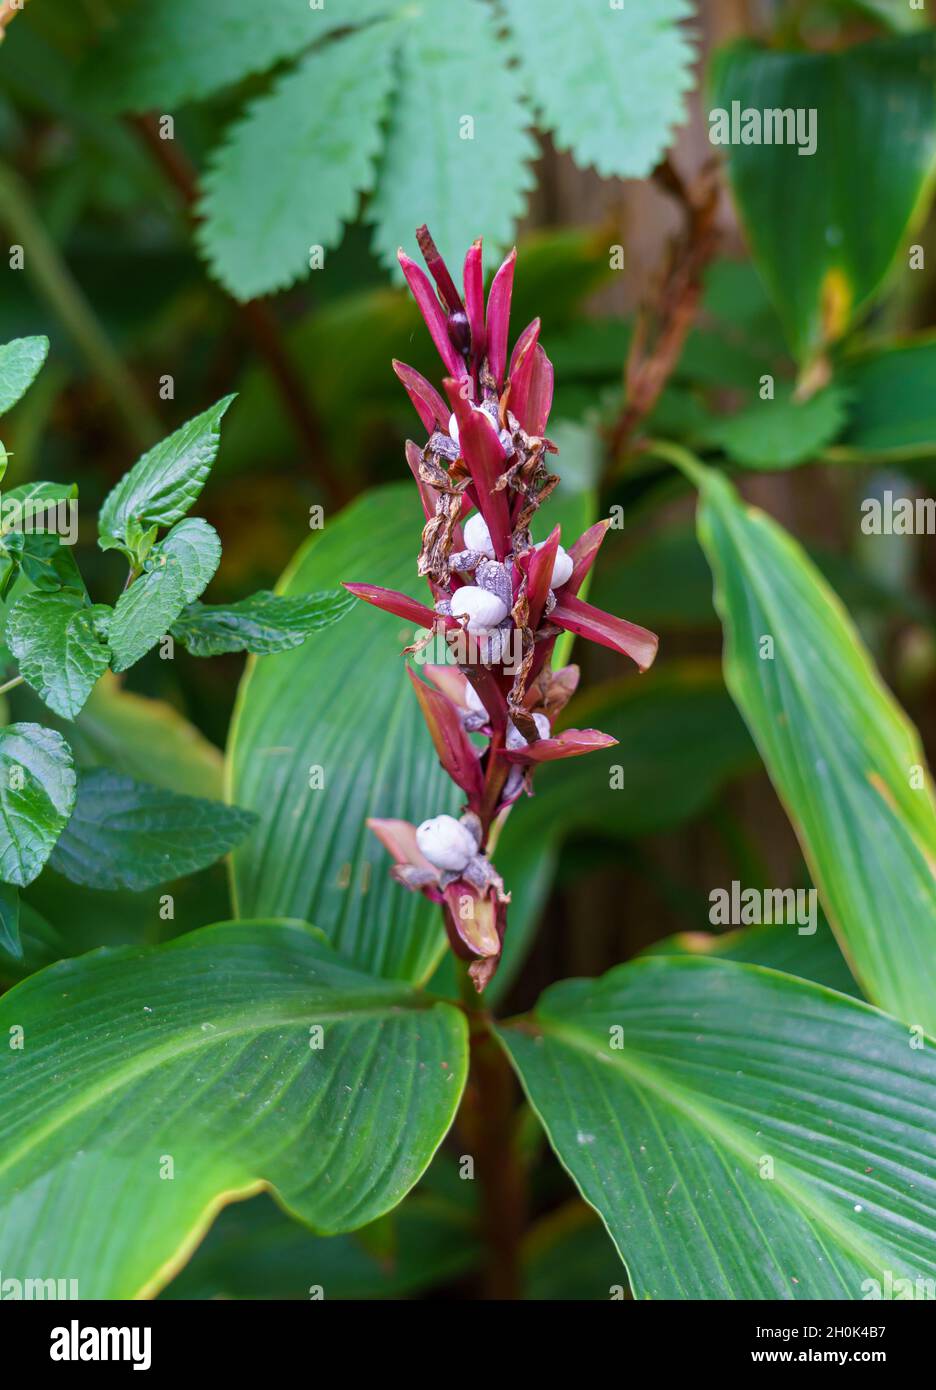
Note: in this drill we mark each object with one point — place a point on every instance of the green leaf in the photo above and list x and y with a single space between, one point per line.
254 1251
60 642
161 487
742 1134
826 228
290 172
893 391
169 52
608 81
844 759
39 945
49 563
126 834
147 739
203 1052
9 921
341 704
779 947
263 624
464 181
20 363
197 548
30 504
145 612
782 432
37 793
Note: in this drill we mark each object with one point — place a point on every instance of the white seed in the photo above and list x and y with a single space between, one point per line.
563 565
473 699
515 738
446 843
477 535
453 428
482 609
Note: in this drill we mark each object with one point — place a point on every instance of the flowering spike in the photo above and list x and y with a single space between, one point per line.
579 617
433 314
498 318
499 601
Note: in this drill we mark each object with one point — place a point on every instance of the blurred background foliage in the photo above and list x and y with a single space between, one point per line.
186 259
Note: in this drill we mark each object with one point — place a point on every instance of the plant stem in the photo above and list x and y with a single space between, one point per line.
488 1118
44 263
11 684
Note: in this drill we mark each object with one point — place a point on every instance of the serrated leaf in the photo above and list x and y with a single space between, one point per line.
60 643
196 547
463 182
782 432
127 834
145 612
30 504
826 228
9 921
264 623
667 1085
169 52
290 172
37 793
609 81
20 363
844 758
161 487
49 563
205 1049
320 707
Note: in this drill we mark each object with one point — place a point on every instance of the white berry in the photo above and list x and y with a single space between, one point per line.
473 699
477 535
453 428
563 565
482 609
515 738
446 843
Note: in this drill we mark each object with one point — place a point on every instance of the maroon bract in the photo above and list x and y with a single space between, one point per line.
498 601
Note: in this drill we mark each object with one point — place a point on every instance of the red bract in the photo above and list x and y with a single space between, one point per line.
498 601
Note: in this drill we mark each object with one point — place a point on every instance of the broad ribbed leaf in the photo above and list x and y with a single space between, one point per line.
743 1134
127 834
163 484
465 180
20 362
60 642
290 173
340 711
159 1084
37 793
145 612
609 80
168 52
826 227
264 623
844 759
815 957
